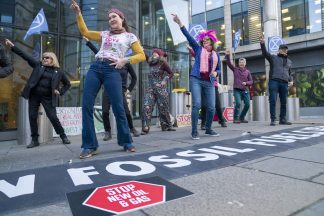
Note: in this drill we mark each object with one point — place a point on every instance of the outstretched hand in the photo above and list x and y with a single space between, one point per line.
177 20
75 7
9 43
261 38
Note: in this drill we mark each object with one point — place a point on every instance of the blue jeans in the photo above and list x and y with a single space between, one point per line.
238 96
276 87
198 89
98 74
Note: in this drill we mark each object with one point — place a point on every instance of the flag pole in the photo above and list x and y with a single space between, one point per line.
41 46
234 58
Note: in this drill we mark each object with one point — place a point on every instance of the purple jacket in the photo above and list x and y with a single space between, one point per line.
240 75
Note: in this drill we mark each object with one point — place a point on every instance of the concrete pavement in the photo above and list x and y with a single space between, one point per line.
285 183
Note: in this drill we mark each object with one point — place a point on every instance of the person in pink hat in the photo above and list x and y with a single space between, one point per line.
202 77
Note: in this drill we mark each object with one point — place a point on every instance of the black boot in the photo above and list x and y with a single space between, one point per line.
64 138
145 130
223 124
33 143
135 132
107 136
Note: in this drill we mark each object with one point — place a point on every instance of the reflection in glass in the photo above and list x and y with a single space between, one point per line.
240 20
314 16
197 6
293 18
215 20
213 4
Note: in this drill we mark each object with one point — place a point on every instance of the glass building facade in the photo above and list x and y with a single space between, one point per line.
296 19
145 18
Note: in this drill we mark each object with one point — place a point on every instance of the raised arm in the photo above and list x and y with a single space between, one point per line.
132 73
190 39
31 61
265 53
91 46
228 61
92 35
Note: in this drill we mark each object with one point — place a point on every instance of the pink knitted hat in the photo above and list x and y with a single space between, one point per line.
116 11
210 33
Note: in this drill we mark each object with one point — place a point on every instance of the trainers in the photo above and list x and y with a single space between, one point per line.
129 147
243 121
236 121
203 127
145 130
212 133
284 122
272 123
171 129
86 153
65 140
107 136
195 136
33 143
135 132
223 124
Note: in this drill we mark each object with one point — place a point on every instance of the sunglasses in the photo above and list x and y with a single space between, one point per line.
46 57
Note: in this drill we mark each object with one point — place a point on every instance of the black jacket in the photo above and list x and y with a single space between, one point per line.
58 77
280 67
6 71
6 67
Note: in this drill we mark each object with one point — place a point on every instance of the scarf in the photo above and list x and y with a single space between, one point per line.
153 61
117 31
204 57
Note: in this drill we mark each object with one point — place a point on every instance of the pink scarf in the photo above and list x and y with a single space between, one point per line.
205 52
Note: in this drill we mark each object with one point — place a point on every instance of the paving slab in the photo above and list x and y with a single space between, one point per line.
307 154
288 167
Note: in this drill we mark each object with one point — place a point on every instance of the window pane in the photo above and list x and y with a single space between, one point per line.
293 18
199 18
314 19
12 86
197 6
213 4
70 64
215 20
68 22
235 1
26 11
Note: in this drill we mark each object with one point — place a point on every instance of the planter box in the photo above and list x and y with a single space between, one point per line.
293 109
260 107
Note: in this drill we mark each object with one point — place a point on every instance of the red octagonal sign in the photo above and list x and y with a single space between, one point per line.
127 196
228 113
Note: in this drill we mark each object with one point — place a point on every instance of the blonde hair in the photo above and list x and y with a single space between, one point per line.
55 62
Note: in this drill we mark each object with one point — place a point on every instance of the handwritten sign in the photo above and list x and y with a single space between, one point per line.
183 120
71 120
